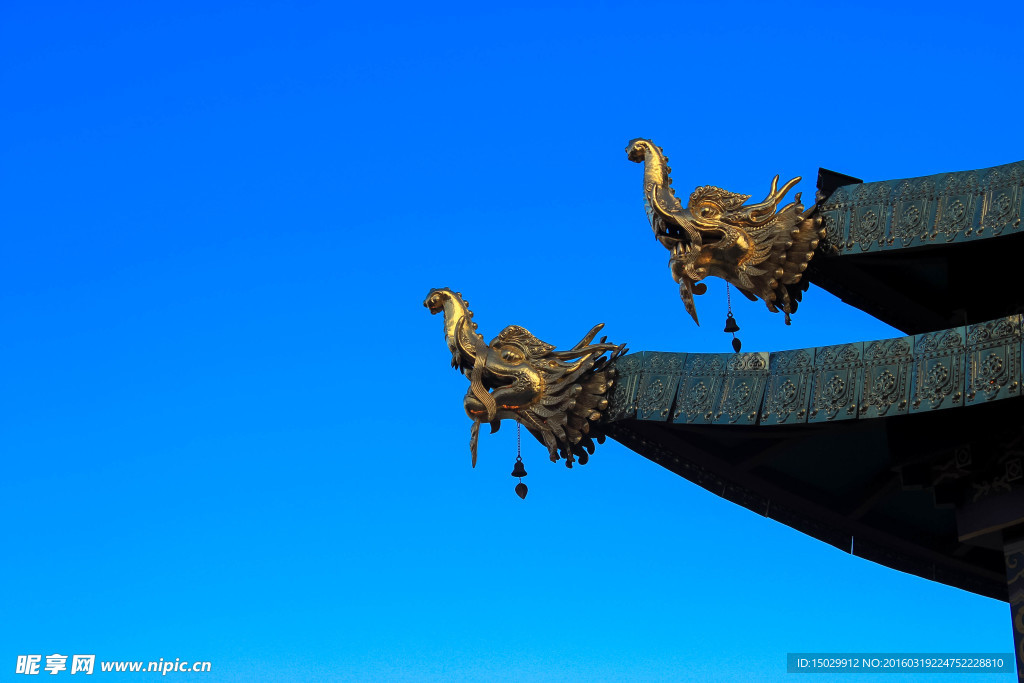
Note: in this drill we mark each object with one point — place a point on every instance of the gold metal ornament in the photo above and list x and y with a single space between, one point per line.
759 248
559 396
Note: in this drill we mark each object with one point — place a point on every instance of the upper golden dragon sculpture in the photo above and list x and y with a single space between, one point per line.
559 396
762 250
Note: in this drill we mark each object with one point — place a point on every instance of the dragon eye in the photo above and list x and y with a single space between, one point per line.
511 355
708 210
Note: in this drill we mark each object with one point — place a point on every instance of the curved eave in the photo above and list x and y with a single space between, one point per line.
905 452
924 253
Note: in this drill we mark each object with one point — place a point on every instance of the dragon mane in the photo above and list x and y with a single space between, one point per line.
576 382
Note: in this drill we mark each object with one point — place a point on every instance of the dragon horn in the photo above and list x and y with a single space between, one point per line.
788 186
590 336
585 351
774 195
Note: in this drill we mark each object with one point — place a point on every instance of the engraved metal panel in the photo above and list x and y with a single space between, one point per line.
1001 206
938 370
836 373
886 377
743 388
993 360
834 217
946 207
965 194
658 385
789 387
869 217
629 372
913 210
700 388
953 218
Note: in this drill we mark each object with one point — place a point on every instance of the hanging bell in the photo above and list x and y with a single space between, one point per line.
730 324
519 470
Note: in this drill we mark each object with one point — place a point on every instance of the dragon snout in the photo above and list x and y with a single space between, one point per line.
636 150
433 303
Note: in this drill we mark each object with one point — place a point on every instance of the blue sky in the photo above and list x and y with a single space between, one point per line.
228 426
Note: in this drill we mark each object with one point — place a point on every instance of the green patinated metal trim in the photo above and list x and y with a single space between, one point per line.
658 385
993 360
938 370
721 388
863 380
838 381
791 374
915 212
622 404
888 377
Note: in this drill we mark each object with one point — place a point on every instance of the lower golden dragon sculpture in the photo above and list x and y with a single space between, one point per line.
559 396
762 250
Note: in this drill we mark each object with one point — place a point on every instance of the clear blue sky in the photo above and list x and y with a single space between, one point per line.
228 427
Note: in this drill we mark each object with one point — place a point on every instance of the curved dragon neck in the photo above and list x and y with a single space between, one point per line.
658 194
460 330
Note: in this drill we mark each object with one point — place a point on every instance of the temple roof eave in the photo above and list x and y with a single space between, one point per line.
854 444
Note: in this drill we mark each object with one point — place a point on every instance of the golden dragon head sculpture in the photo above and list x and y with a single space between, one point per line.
760 249
559 396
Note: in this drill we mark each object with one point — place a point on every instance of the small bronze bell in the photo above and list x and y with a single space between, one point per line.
733 328
730 322
519 470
